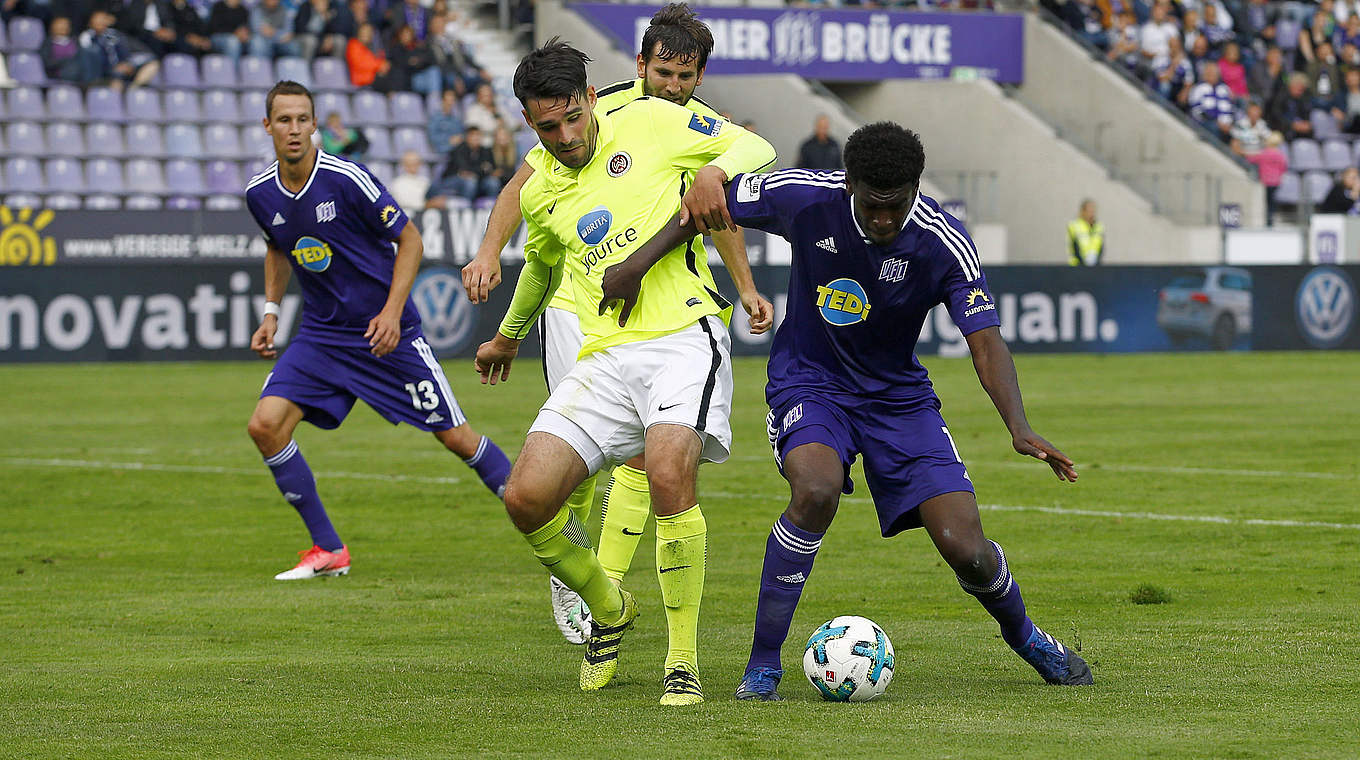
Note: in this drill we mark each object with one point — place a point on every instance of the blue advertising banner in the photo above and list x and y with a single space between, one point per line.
844 45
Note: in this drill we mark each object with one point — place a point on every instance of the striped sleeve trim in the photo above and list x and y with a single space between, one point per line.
354 172
263 176
792 542
957 243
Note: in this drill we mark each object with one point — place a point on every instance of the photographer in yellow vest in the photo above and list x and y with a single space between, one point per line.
1085 237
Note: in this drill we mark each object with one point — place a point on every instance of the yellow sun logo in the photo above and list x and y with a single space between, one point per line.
975 294
19 241
387 214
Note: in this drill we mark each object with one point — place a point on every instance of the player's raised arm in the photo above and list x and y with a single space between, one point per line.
483 273
384 330
996 371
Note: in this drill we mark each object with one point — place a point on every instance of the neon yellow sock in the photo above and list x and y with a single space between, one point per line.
581 500
681 552
564 548
624 511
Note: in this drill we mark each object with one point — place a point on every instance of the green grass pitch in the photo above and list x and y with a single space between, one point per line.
1205 563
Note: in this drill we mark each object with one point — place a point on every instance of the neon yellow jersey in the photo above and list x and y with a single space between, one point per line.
590 218
608 99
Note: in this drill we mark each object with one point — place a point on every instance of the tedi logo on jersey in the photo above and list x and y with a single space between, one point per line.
312 254
975 295
843 302
1325 307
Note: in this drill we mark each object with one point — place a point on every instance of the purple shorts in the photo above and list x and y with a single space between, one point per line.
407 385
909 456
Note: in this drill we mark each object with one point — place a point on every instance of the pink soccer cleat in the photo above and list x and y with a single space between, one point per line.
317 562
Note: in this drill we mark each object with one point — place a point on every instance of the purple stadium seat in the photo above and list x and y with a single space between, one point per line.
65 139
182 105
221 106
1289 190
1336 155
382 170
64 102
25 139
145 140
370 109
223 203
180 71
333 102
104 176
25 34
26 103
183 141
105 104
252 108
143 104
255 166
185 177
295 69
256 74
411 138
65 180
145 181
224 177
25 173
105 140
1324 125
330 75
1317 184
257 143
222 141
407 109
219 71
184 203
1305 155
380 144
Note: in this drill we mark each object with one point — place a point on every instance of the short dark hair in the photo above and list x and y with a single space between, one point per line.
556 70
287 87
677 33
884 156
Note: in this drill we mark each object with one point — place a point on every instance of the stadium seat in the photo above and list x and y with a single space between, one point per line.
330 75
255 166
143 202
183 141
144 176
383 170
105 140
257 143
1324 125
380 145
295 69
1317 184
370 109
65 178
223 203
25 103
105 104
145 140
182 105
25 34
410 138
219 71
221 106
525 140
143 104
1288 192
23 172
224 177
221 141
1336 155
185 177
333 102
407 110
65 139
180 71
1305 155
105 183
252 108
256 74
25 139
65 103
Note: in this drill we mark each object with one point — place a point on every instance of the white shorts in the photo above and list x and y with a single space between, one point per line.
559 332
605 404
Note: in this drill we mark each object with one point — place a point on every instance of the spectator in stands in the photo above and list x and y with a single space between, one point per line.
363 14
1215 29
339 140
1232 71
271 30
61 53
412 64
110 55
458 69
410 186
820 151
484 113
1087 20
1198 54
409 13
1348 58
1176 74
1344 197
323 28
504 155
366 65
1124 44
445 129
1211 103
1345 9
1156 36
1259 19
1271 164
1250 132
1266 80
1191 31
1348 34
1292 108
229 28
1324 79
1318 31
469 171
1085 237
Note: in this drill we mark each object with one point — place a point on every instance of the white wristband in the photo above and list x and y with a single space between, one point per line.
271 307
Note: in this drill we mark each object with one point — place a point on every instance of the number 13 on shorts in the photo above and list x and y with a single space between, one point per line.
424 397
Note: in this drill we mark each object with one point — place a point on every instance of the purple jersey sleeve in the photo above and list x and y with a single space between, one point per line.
381 215
970 303
752 206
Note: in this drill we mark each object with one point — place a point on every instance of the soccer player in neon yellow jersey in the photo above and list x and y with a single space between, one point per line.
658 379
675 50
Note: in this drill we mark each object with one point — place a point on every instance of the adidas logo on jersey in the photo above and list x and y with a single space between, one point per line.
797 577
433 418
278 219
828 244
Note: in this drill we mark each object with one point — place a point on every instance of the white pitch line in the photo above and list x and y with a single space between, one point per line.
1158 469
212 470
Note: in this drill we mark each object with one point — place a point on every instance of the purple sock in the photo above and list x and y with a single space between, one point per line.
789 553
491 465
295 482
1002 599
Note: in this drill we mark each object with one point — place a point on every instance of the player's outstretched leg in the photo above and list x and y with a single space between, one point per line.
480 453
571 615
953 523
681 552
627 505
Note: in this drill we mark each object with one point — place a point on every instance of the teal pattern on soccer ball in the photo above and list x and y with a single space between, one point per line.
878 654
839 694
817 643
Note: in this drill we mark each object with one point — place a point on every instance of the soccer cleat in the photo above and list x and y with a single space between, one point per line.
569 612
317 562
682 688
1055 663
602 648
760 684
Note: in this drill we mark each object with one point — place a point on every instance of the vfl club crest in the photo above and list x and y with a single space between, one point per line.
619 164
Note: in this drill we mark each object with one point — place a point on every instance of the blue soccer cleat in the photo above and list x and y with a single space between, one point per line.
759 684
1056 663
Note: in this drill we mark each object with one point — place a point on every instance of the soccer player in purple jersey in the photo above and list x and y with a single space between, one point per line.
334 224
871 257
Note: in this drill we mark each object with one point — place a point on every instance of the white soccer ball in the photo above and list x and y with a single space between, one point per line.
849 659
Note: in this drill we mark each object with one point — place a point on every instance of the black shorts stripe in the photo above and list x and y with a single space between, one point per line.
712 377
